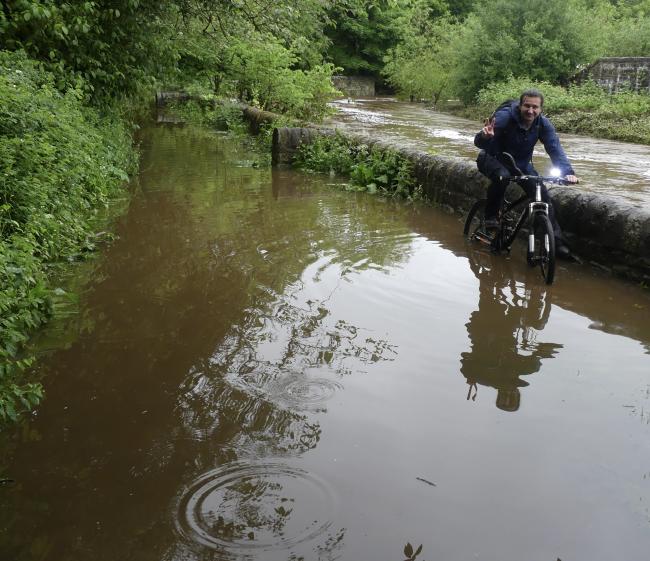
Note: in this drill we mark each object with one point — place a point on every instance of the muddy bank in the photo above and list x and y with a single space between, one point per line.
607 233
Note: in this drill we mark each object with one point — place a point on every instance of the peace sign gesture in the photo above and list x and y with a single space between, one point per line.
488 129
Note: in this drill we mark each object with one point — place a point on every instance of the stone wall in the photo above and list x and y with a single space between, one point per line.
618 73
355 86
609 234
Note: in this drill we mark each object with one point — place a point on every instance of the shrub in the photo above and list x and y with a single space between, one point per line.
60 164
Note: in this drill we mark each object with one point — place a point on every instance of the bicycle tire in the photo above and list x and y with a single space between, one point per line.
475 220
475 230
544 250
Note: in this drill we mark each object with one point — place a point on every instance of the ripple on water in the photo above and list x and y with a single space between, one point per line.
297 391
255 507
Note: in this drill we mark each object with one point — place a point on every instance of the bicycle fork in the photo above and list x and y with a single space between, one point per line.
534 208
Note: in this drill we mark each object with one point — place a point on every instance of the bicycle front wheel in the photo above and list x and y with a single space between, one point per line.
543 250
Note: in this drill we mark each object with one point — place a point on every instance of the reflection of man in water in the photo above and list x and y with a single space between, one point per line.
503 333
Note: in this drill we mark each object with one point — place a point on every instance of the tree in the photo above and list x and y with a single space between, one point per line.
540 40
421 65
361 32
111 46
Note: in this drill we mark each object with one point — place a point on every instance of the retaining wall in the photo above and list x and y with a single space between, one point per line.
355 86
607 233
617 73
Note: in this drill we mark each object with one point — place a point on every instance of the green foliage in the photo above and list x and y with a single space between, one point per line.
260 71
493 40
108 47
421 65
628 30
261 74
59 166
361 32
370 169
538 40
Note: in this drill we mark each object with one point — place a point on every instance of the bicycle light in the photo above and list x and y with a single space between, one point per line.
556 172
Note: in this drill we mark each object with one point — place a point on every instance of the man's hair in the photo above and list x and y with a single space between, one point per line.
532 93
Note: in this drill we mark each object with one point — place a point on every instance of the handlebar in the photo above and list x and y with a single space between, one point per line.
538 179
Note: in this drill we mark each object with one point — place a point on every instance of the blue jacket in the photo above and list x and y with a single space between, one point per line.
510 136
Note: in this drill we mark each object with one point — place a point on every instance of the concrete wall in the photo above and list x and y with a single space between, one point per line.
609 234
355 86
618 73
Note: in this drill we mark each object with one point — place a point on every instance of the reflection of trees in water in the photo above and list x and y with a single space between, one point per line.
235 389
294 337
236 421
504 331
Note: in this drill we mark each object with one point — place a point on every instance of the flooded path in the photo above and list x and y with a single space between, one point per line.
266 367
617 169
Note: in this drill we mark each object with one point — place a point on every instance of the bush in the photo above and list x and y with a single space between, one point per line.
60 163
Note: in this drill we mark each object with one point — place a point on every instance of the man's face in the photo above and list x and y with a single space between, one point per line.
530 108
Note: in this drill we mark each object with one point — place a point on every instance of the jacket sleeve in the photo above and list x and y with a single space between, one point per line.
480 141
553 147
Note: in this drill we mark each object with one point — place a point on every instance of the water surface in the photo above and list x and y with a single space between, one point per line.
267 367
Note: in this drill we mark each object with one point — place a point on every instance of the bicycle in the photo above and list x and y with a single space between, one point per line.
512 216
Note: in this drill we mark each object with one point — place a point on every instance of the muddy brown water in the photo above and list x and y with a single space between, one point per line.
264 366
620 170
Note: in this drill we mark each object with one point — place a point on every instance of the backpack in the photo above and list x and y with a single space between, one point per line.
502 105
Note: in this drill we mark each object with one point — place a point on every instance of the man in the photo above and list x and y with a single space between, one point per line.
515 129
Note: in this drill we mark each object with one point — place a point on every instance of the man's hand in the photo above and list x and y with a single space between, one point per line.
571 179
488 129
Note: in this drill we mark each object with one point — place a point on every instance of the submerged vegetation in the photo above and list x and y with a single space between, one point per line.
76 75
370 169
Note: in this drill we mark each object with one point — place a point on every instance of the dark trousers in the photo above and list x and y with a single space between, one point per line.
494 170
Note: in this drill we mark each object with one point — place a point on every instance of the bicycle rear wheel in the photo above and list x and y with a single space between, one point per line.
474 229
543 250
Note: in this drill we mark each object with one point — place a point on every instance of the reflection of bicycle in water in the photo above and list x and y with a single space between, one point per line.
504 332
